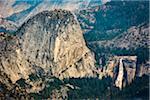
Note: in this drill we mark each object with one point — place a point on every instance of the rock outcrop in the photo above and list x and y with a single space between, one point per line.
49 43
122 69
143 69
11 69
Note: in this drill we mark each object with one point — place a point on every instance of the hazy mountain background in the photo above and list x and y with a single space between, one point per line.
117 33
118 27
20 10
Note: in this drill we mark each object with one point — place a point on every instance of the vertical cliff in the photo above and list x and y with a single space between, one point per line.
122 69
50 43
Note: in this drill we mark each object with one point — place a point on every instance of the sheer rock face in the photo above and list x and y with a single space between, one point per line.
10 66
127 70
122 69
51 41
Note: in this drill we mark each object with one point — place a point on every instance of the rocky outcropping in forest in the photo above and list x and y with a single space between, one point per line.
48 57
122 69
51 44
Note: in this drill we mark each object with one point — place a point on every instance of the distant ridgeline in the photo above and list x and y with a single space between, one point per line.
117 28
112 19
48 58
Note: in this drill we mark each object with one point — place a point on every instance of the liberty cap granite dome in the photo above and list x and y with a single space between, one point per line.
53 41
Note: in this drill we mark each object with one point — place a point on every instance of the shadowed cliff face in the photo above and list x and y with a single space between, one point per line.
50 46
122 70
49 43
10 65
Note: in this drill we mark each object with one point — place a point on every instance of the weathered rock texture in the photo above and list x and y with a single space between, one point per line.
122 69
51 43
143 69
10 67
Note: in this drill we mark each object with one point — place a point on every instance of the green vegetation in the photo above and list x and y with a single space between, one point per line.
92 88
46 92
139 89
89 88
21 83
142 53
33 77
114 18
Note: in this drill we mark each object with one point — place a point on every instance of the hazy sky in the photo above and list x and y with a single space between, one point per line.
8 7
20 10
